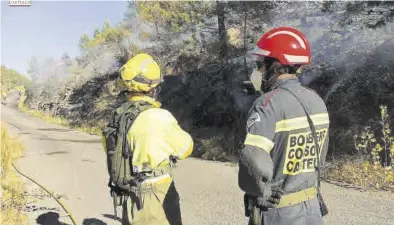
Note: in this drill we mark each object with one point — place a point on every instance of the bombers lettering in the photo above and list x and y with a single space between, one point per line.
301 154
301 139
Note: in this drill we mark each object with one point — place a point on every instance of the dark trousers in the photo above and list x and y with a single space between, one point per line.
306 213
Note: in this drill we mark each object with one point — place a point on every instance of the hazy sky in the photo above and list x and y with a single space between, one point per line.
51 28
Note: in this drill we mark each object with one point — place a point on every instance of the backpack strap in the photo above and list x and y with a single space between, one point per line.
130 111
313 131
323 206
125 116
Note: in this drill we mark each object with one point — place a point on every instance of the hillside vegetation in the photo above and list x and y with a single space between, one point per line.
11 79
201 48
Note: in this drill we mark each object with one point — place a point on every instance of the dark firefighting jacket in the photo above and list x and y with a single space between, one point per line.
279 143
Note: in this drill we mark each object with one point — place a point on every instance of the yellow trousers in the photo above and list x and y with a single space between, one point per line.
160 204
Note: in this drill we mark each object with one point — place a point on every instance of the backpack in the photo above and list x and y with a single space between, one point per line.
119 154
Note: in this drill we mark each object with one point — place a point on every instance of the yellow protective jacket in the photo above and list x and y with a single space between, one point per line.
156 135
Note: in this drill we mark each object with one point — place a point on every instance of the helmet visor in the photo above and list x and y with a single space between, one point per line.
255 57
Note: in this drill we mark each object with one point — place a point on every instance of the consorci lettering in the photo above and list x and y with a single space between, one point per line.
301 153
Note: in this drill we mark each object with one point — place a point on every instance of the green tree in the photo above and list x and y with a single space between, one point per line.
107 35
96 33
173 16
34 69
106 26
84 41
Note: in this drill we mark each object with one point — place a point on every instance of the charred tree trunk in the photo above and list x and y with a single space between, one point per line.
157 28
222 32
244 36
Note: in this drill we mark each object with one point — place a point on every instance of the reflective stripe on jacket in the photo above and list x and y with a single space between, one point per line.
279 143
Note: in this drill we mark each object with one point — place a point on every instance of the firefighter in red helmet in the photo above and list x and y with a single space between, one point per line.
287 136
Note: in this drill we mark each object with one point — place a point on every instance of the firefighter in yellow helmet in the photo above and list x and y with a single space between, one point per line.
142 142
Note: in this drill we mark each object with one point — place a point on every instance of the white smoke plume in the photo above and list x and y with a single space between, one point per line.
334 45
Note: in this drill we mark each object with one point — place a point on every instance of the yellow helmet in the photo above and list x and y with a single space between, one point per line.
141 73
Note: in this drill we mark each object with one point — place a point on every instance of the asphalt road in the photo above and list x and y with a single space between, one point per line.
72 164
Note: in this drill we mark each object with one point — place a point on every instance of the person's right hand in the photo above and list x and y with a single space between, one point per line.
173 159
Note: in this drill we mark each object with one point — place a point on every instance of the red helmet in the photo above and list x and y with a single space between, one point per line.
286 44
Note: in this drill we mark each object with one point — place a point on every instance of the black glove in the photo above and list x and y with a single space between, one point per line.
272 194
173 159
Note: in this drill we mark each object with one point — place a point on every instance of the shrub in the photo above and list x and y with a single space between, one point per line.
376 169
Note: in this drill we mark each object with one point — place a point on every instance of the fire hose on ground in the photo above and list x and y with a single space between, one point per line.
50 193
43 187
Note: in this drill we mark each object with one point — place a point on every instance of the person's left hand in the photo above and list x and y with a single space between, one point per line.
272 195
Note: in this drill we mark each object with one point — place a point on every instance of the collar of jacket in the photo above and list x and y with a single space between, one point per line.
285 82
152 101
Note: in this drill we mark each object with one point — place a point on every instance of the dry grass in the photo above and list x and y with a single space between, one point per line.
12 188
377 171
364 175
48 118
90 130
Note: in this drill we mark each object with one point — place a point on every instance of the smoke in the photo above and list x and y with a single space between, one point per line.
100 60
335 44
160 41
49 76
94 61
142 34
